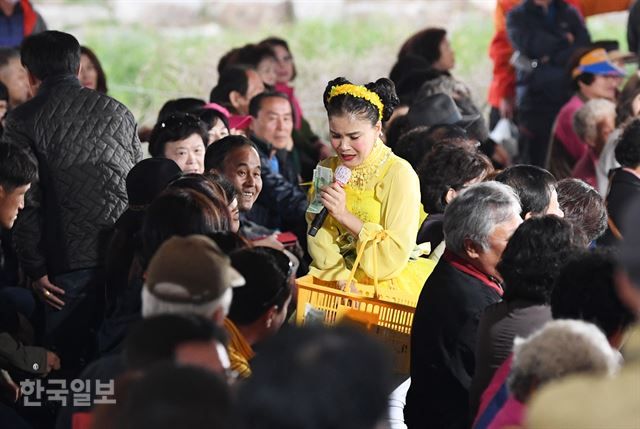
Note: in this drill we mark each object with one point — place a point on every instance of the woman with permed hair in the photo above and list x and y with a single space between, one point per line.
377 212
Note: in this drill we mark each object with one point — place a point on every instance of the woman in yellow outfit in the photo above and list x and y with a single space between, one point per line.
377 213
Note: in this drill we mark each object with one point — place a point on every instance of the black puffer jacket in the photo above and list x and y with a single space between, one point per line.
85 143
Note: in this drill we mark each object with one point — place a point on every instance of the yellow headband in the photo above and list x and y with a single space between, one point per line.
360 92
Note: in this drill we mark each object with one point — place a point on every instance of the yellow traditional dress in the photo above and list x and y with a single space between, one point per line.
383 192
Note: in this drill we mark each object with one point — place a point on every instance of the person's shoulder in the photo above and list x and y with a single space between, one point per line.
626 178
588 401
399 167
104 368
496 311
27 109
571 106
445 278
106 101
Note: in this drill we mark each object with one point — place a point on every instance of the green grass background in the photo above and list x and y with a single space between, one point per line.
145 66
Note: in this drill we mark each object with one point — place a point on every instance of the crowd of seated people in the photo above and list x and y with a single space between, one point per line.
162 290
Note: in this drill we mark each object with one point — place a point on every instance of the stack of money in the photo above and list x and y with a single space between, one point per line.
322 176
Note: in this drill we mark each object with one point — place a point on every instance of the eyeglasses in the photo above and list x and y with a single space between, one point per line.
177 121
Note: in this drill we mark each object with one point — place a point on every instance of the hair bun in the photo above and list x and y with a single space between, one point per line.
386 90
337 81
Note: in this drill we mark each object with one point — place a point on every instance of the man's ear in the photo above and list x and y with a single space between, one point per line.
450 195
34 83
3 193
269 316
234 99
471 249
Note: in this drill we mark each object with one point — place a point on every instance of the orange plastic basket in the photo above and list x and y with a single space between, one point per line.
390 322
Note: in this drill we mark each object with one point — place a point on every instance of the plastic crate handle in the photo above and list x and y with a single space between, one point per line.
375 238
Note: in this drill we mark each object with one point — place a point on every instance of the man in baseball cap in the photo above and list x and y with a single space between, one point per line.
190 275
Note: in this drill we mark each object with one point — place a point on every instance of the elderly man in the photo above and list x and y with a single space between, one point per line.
190 275
271 129
477 227
282 203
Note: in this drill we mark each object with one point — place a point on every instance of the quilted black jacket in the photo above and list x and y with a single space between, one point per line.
85 143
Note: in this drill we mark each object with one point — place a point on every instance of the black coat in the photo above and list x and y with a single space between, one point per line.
85 143
530 32
624 189
443 343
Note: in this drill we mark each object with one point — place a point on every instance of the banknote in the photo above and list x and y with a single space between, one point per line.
322 176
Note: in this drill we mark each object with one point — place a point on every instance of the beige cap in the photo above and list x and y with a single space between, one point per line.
190 269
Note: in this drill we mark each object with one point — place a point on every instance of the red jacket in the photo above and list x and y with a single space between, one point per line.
30 17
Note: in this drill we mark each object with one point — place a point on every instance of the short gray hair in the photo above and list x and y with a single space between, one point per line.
560 348
153 306
586 118
476 212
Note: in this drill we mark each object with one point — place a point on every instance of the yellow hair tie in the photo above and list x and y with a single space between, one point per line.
360 92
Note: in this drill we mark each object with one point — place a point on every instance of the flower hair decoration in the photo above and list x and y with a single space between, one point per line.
360 92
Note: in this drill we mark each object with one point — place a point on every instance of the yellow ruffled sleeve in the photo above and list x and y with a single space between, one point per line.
399 193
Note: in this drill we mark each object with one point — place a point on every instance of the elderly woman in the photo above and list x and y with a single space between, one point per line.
182 138
529 265
477 226
561 348
593 123
594 76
